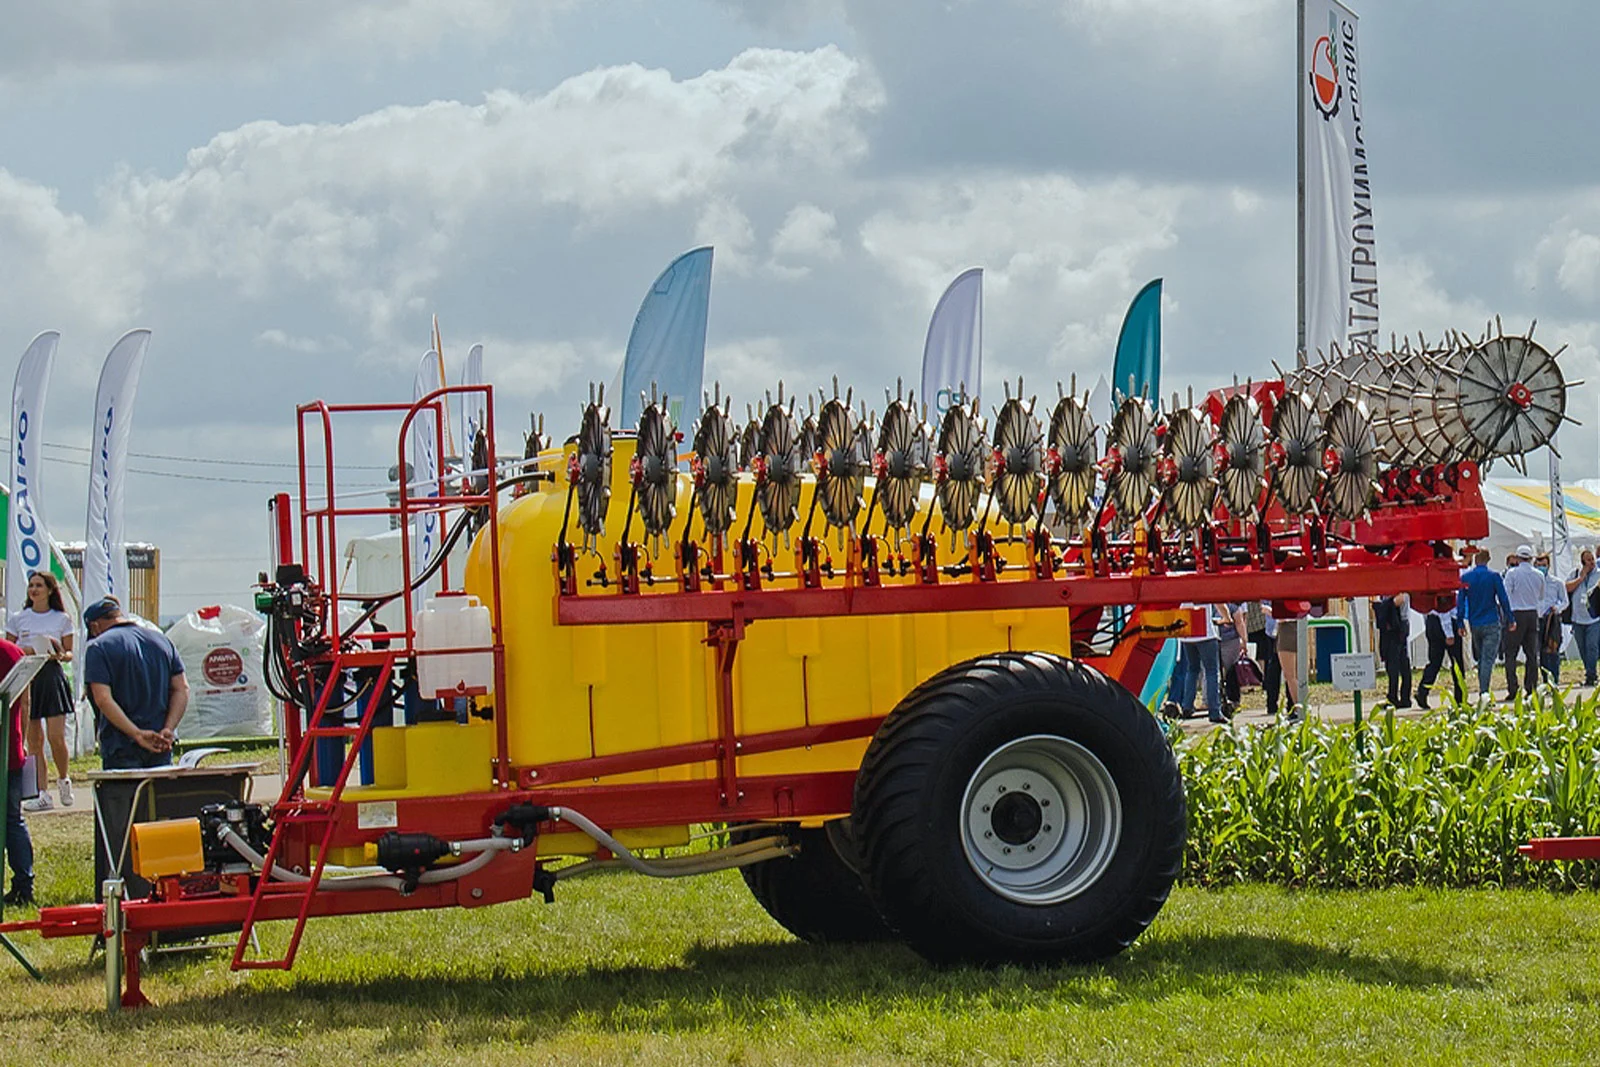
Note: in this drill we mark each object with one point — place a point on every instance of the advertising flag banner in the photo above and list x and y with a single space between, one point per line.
1561 562
1137 369
1338 253
105 550
952 355
425 430
473 414
27 543
667 347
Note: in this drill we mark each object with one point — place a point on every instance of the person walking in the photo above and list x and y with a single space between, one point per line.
45 627
137 683
1262 631
1445 640
1393 617
1585 624
1231 629
19 845
1484 607
1200 656
1551 637
1525 589
1289 614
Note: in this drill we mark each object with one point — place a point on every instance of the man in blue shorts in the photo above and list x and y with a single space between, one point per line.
136 681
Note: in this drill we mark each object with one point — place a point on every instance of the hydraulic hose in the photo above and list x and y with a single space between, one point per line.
486 848
739 855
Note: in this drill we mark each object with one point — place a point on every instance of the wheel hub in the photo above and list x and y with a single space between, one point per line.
1041 819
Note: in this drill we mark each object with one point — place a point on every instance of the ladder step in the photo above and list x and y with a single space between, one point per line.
333 731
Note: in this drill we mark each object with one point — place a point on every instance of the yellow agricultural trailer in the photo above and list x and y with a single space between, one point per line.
886 670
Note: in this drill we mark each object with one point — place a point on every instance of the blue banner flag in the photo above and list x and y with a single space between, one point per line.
667 348
1137 370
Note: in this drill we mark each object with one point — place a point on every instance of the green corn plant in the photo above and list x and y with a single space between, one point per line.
1443 800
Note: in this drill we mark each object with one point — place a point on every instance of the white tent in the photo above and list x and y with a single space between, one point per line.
1519 514
374 567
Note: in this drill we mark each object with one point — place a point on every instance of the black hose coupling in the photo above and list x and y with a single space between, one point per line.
523 819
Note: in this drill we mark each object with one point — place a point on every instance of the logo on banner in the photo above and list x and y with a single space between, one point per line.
27 528
1326 91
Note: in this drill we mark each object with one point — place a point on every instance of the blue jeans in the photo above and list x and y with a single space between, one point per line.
19 846
1201 656
1486 651
1586 635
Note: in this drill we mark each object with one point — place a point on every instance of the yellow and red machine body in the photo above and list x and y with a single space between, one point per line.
655 696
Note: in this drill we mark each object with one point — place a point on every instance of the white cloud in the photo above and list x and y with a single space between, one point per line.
808 232
157 39
1061 257
730 232
370 213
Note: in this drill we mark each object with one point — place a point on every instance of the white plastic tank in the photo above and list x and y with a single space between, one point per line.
454 621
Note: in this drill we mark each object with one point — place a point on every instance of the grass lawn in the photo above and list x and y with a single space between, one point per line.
625 970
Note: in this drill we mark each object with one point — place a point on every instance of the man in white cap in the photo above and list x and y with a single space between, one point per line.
1525 588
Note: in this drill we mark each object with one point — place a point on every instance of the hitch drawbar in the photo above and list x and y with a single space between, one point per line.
1561 848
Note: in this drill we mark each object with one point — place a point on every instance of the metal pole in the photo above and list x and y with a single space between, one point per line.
111 891
1300 183
1361 746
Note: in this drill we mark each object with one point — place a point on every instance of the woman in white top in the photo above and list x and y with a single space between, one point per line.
45 627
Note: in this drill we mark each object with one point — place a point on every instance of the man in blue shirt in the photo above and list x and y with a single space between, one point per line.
1484 608
136 681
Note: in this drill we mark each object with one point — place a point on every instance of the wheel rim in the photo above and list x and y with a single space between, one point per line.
1040 819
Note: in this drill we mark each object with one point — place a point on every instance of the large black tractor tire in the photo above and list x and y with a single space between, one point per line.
1019 808
816 894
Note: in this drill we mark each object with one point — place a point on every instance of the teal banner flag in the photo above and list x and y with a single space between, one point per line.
1137 370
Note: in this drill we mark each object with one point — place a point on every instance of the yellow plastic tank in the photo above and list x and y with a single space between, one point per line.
577 691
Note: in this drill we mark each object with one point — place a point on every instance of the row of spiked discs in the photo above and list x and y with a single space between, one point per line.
1316 450
1452 400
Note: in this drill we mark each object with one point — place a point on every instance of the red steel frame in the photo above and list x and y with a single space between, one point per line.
1396 549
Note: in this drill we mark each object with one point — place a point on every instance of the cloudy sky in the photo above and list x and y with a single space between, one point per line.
286 192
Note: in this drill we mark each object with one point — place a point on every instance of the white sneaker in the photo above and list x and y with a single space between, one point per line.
42 802
66 792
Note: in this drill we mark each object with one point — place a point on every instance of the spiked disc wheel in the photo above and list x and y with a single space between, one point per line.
1018 461
591 470
841 462
749 444
1132 453
1243 444
1297 453
959 467
900 464
1350 459
777 466
1408 388
1512 396
1189 482
1071 459
716 458
655 469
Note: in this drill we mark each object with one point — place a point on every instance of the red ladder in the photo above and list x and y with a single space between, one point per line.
293 810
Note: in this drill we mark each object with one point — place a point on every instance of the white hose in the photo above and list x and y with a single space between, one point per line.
739 855
485 848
